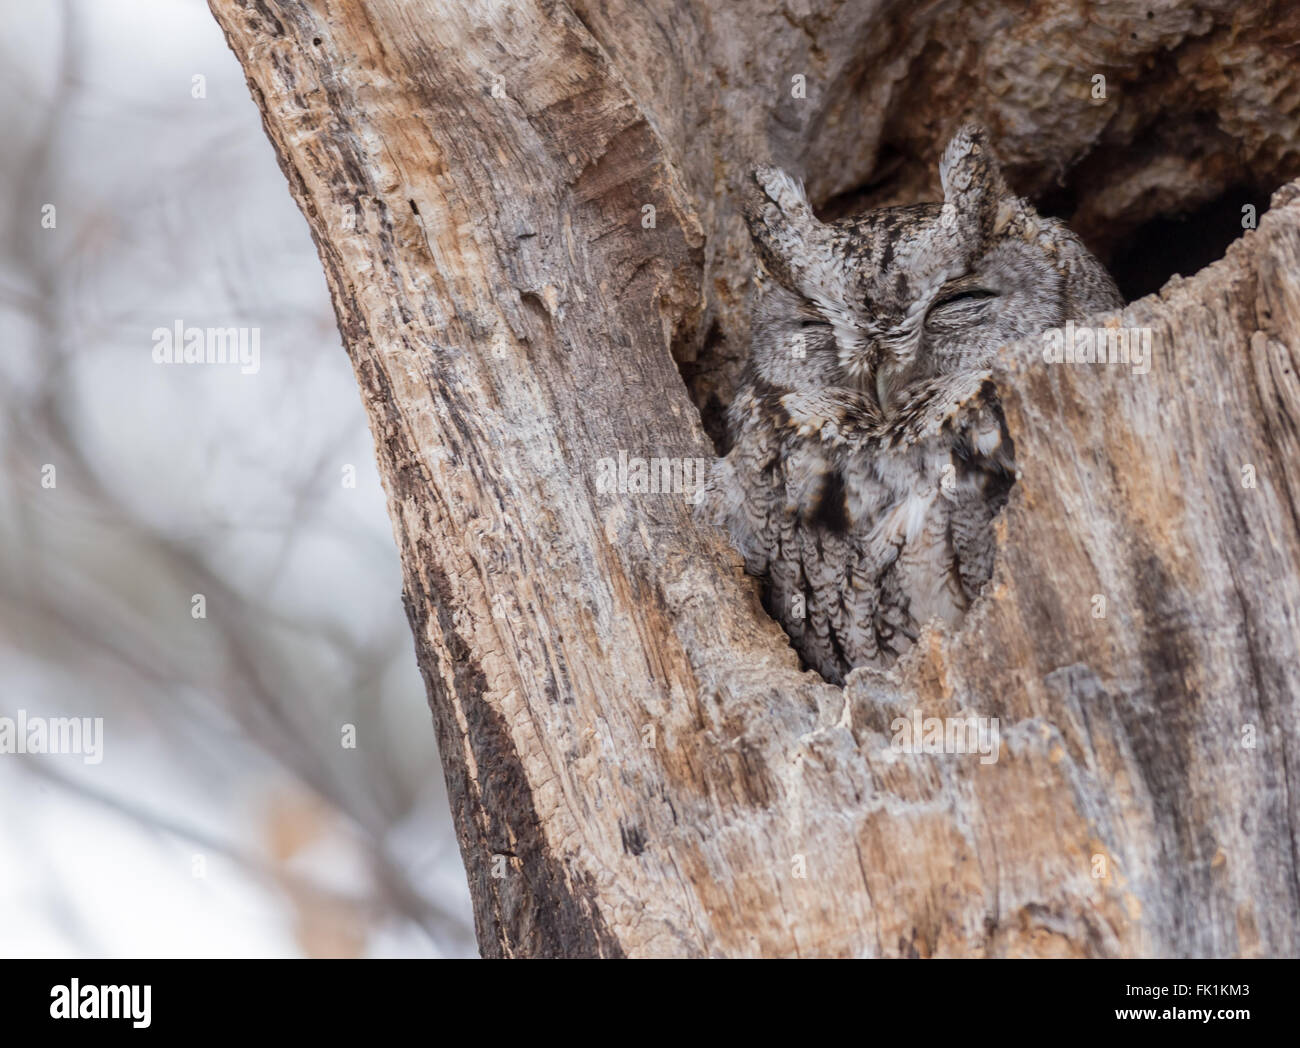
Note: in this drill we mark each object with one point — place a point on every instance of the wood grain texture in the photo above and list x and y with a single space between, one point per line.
636 763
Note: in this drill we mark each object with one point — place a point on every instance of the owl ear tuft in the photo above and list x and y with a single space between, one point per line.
783 190
781 223
973 186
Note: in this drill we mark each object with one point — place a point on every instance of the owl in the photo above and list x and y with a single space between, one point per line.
869 452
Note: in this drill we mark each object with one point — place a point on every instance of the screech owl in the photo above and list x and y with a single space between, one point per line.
870 455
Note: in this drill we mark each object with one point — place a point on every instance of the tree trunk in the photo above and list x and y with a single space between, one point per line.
528 217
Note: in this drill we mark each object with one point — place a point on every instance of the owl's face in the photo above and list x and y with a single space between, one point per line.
887 298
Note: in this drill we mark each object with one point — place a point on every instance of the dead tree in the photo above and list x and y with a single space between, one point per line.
527 213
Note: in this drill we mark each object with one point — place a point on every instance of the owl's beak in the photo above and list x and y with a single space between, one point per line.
882 391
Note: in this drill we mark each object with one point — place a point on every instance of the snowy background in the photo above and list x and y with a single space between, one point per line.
227 818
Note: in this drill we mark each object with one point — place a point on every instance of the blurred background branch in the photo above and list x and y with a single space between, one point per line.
228 815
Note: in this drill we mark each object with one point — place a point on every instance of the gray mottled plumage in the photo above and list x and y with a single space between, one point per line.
869 452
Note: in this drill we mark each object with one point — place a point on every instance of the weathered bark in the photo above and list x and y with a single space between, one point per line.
636 762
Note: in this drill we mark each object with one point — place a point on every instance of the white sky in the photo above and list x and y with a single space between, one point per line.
171 207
